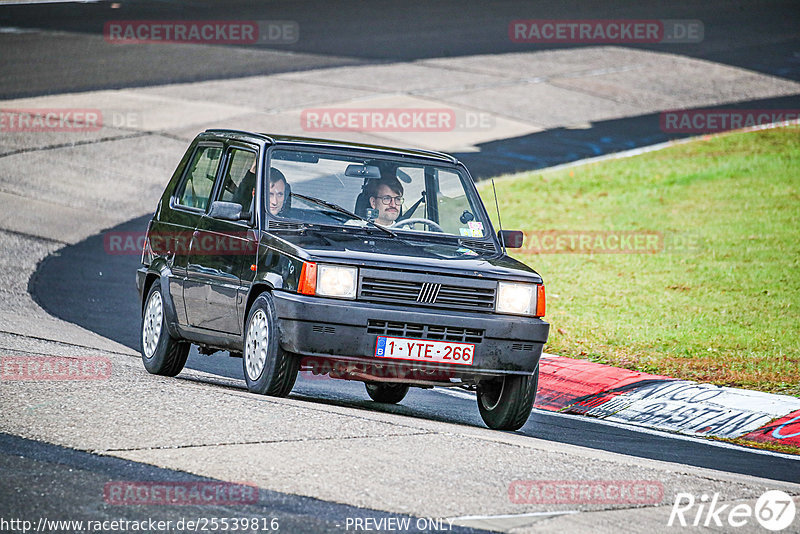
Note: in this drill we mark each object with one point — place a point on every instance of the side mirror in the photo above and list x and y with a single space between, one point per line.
511 238
227 211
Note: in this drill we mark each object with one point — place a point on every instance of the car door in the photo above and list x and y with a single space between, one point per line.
221 249
187 207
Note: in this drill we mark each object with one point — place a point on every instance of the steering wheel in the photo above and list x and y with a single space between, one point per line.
420 220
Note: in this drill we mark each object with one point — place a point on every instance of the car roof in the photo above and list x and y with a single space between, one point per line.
329 143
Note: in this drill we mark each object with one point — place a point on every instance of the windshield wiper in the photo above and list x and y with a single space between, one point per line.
347 212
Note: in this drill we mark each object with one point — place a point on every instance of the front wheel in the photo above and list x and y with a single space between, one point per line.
388 393
162 354
505 403
268 369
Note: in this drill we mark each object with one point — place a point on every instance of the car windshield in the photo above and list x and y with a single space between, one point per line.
361 191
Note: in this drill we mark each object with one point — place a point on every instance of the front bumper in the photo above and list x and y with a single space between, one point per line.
345 330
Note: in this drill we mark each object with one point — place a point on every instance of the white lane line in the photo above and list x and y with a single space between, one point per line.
663 434
634 428
12 29
510 516
505 522
668 406
460 393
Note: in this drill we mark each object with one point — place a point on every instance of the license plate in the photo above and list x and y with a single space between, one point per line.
425 351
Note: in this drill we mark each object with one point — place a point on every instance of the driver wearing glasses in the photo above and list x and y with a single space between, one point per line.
386 196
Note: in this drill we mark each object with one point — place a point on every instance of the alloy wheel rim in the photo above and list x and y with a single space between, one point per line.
151 327
256 345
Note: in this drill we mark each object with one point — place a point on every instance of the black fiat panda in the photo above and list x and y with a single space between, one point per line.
361 262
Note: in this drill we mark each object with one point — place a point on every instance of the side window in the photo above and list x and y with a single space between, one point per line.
413 181
456 213
199 180
239 184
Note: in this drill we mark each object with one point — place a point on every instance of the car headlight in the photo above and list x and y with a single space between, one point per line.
517 299
336 281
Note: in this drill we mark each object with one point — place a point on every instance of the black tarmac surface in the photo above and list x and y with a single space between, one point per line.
72 54
52 484
69 285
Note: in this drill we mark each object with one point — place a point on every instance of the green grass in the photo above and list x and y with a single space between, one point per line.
726 311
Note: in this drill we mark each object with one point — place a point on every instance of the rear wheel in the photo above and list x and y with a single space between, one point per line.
162 354
268 369
505 403
388 393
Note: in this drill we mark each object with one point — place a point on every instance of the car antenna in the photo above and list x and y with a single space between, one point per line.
499 221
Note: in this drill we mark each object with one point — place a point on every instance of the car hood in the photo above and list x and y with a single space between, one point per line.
404 251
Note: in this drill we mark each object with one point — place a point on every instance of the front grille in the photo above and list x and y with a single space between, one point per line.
394 287
527 347
419 331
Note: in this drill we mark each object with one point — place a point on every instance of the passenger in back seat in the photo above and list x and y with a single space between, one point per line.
279 191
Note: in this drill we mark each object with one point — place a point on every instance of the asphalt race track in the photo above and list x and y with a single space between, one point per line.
327 453
81 301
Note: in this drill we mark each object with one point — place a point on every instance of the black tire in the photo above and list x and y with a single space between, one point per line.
385 392
275 376
162 354
506 403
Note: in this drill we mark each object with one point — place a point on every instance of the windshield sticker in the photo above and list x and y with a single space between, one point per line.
476 228
467 252
471 232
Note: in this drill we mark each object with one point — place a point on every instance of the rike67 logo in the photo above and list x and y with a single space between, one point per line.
774 510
